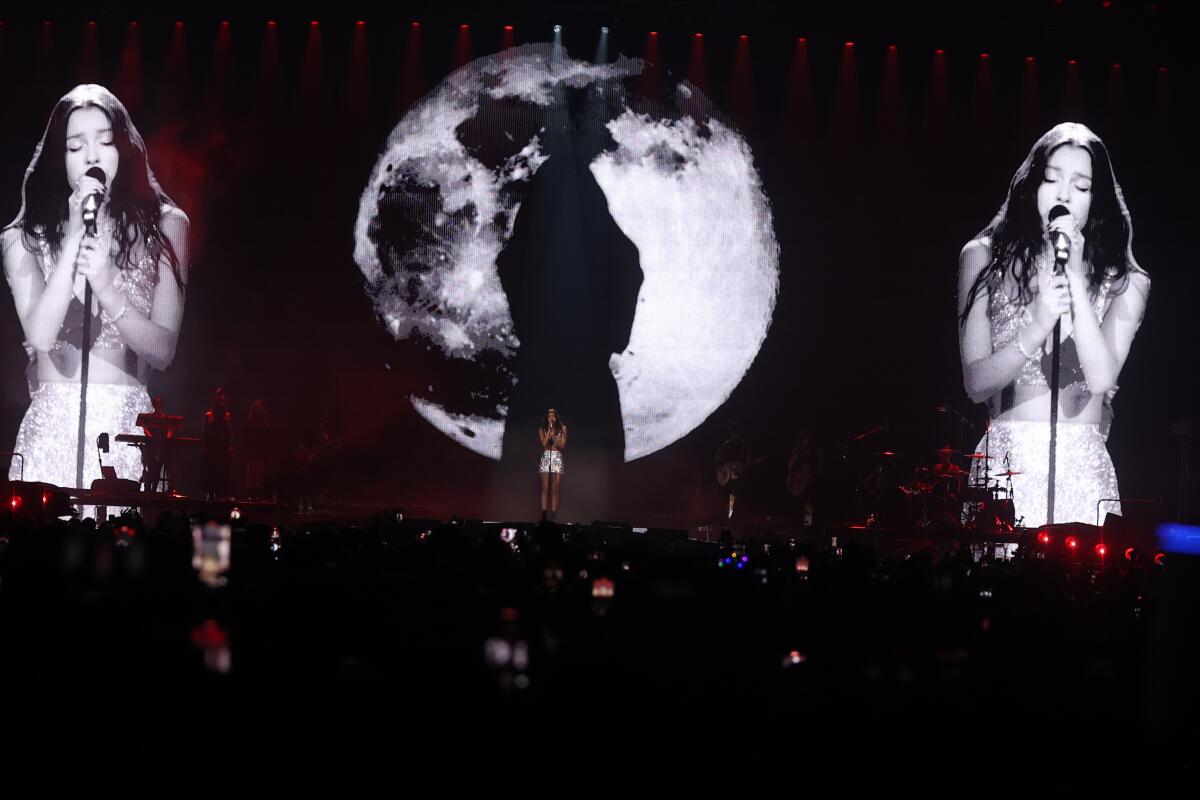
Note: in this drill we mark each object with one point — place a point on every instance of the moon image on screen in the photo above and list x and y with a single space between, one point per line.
680 183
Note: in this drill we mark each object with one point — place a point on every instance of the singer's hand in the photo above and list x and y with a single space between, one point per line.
1053 300
1069 227
94 263
87 185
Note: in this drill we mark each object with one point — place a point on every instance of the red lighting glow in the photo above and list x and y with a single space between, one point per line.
654 33
416 24
1028 59
314 23
508 27
1072 543
802 40
743 36
891 48
984 56
1130 552
178 23
1071 61
1116 66
699 35
1101 550
15 502
1160 558
849 44
939 52
1043 538
361 22
463 27
270 23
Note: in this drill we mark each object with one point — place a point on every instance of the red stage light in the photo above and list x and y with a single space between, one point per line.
178 23
361 22
849 44
983 56
891 48
1160 558
699 35
743 36
463 27
654 33
1072 543
416 24
1130 552
508 27
314 23
1043 538
270 23
802 40
1101 550
15 502
939 52
1028 59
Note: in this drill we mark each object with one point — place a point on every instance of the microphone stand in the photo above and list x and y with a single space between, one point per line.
85 353
1060 259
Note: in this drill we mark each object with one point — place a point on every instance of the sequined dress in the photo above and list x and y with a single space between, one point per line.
48 435
1084 473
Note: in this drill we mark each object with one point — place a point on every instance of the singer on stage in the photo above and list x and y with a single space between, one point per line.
1058 250
93 221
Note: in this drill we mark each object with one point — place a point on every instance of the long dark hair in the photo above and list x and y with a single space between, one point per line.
545 424
135 198
1016 231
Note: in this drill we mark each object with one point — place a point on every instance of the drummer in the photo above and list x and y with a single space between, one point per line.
949 474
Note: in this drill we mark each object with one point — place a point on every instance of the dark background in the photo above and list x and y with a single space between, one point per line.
879 168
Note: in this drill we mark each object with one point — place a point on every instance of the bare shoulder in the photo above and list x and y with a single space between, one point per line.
14 248
974 257
10 237
173 219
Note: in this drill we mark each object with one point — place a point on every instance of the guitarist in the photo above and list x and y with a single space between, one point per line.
733 457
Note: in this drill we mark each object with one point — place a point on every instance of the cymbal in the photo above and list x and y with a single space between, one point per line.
945 450
888 453
1007 474
979 455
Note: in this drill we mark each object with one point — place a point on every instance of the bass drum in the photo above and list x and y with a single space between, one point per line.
899 508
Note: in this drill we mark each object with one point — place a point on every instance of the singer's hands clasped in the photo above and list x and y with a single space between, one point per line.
1069 226
1053 300
94 262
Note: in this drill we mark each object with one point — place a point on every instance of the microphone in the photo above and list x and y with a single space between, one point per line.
1059 240
91 203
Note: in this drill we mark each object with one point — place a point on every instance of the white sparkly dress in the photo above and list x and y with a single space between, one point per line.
1084 474
49 433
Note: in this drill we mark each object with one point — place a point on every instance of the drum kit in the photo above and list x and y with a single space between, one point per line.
945 496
